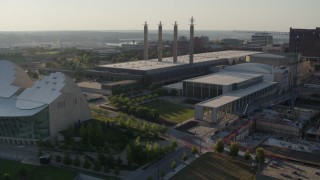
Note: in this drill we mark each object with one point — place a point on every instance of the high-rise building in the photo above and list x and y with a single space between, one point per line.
305 41
262 39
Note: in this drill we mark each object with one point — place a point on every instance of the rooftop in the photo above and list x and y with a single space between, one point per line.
123 82
12 79
223 78
251 67
90 84
268 55
8 108
182 60
42 92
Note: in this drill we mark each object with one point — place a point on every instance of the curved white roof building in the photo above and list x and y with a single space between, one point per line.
29 112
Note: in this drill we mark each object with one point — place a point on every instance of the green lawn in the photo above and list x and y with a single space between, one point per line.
35 172
172 112
214 166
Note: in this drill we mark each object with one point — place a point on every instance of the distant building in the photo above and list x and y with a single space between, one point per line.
182 47
262 39
37 111
231 42
106 52
200 44
307 41
132 47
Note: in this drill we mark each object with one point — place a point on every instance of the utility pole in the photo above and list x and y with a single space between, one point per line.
200 145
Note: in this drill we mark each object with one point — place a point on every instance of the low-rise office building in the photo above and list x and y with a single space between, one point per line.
232 89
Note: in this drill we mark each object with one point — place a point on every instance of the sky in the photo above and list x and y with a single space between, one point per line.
264 15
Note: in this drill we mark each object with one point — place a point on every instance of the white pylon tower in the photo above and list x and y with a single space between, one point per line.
191 41
160 42
175 42
146 45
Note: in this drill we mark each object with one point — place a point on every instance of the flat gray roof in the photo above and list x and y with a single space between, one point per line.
223 78
182 60
234 95
268 55
178 85
89 84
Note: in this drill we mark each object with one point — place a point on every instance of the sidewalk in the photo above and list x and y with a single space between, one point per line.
180 167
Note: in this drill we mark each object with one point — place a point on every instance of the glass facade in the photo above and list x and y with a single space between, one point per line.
31 127
247 83
201 91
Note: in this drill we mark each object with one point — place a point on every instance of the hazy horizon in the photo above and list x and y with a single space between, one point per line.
119 15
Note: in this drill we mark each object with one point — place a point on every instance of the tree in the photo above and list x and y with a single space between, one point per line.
144 128
77 162
6 176
174 144
138 141
116 171
129 154
102 158
23 172
150 178
83 131
58 159
97 166
194 149
119 161
184 156
162 174
156 150
219 146
247 155
40 152
110 159
260 156
234 149
173 92
173 165
86 164
106 168
67 160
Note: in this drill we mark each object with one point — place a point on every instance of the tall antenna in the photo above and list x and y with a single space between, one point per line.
192 20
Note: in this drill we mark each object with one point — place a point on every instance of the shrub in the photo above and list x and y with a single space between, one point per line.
86 164
67 160
77 162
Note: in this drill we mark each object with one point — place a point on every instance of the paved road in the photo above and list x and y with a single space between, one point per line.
17 152
162 165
